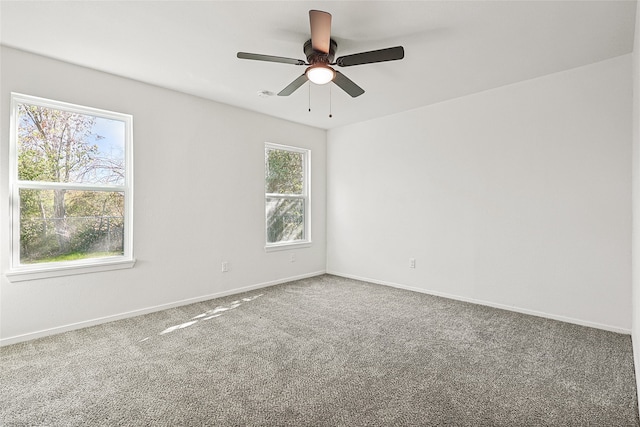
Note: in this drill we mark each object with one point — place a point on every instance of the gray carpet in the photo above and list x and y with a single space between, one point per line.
324 351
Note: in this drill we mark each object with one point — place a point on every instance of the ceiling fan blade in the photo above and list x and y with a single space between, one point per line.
269 58
382 55
347 85
293 86
320 30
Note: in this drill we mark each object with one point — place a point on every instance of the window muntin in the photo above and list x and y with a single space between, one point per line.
286 195
71 185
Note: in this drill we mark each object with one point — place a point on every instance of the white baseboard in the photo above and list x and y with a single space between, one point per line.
490 304
84 324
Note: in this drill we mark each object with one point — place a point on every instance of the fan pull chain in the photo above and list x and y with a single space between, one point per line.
330 115
309 96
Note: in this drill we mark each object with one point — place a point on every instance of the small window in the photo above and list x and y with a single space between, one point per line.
71 189
287 203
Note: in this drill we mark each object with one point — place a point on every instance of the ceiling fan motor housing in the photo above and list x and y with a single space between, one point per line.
317 57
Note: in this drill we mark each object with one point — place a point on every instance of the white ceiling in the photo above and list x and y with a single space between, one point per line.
452 48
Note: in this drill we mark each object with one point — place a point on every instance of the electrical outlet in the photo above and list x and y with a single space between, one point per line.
225 266
412 263
292 257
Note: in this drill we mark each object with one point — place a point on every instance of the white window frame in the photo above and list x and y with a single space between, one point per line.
20 272
306 196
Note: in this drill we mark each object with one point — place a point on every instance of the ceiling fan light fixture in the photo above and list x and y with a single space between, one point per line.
320 74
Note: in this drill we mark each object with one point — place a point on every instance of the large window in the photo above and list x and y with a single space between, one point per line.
287 203
71 189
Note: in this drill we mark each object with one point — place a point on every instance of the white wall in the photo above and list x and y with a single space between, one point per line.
515 197
636 198
199 170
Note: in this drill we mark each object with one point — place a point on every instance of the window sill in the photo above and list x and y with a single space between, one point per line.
33 273
287 246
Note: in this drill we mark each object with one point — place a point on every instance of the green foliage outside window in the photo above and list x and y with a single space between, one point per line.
284 172
284 187
56 146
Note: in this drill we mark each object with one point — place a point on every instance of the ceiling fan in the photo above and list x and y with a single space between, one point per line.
320 51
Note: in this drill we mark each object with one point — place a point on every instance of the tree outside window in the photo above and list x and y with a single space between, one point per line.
71 187
286 194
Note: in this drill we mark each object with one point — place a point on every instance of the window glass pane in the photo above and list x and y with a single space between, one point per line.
61 146
285 220
61 225
284 172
